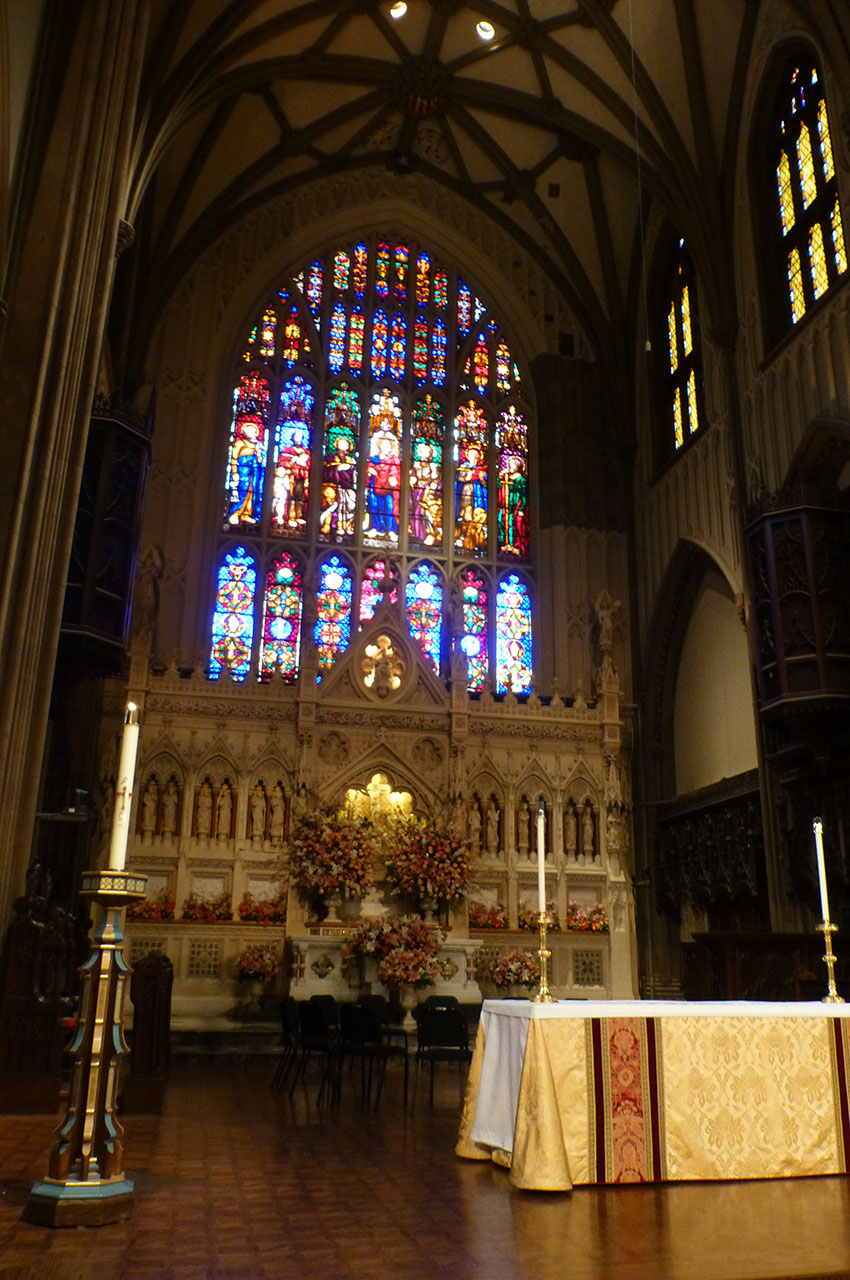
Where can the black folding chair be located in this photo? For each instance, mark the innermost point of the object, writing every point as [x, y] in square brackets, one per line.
[319, 1038]
[290, 1038]
[364, 1039]
[442, 1035]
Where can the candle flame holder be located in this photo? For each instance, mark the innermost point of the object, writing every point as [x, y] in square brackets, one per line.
[832, 996]
[544, 995]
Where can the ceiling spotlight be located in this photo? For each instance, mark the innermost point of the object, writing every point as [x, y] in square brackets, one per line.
[398, 10]
[486, 30]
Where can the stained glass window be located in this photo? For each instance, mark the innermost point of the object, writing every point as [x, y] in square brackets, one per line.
[382, 270]
[292, 458]
[682, 383]
[246, 463]
[398, 348]
[471, 438]
[423, 282]
[342, 266]
[341, 434]
[400, 285]
[376, 575]
[425, 482]
[339, 465]
[438, 353]
[513, 485]
[474, 641]
[336, 346]
[810, 230]
[513, 636]
[281, 633]
[383, 471]
[267, 333]
[332, 631]
[355, 341]
[361, 264]
[379, 344]
[233, 616]
[424, 600]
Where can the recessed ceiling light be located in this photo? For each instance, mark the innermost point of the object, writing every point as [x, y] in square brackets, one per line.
[398, 10]
[486, 30]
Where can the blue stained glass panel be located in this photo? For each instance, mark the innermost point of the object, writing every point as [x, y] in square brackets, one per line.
[424, 603]
[332, 631]
[513, 636]
[233, 616]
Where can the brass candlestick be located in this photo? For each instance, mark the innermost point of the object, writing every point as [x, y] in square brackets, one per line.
[544, 995]
[832, 996]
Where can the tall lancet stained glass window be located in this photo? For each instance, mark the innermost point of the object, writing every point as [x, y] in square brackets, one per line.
[808, 221]
[379, 432]
[683, 382]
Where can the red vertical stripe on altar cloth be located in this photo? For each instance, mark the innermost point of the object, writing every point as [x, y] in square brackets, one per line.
[599, 1101]
[839, 1041]
[653, 1101]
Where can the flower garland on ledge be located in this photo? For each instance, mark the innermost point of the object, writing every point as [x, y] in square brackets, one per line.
[483, 917]
[263, 910]
[406, 947]
[511, 969]
[159, 908]
[331, 854]
[579, 919]
[427, 862]
[528, 918]
[257, 963]
[207, 910]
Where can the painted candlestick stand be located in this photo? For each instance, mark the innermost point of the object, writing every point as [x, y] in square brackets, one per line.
[86, 1184]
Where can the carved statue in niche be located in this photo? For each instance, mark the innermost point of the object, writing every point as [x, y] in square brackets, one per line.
[474, 828]
[258, 814]
[522, 822]
[493, 828]
[382, 667]
[204, 824]
[150, 804]
[605, 607]
[570, 832]
[170, 801]
[587, 834]
[146, 594]
[223, 811]
[459, 816]
[278, 812]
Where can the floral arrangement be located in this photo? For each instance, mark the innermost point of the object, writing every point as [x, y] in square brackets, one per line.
[511, 969]
[262, 910]
[257, 963]
[530, 919]
[482, 916]
[410, 966]
[331, 854]
[406, 947]
[159, 908]
[207, 910]
[426, 861]
[587, 920]
[379, 937]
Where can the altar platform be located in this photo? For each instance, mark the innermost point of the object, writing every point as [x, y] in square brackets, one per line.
[643, 1091]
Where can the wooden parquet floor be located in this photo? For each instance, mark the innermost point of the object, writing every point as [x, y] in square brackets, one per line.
[234, 1182]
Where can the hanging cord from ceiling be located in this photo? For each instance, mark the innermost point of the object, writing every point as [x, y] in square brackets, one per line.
[647, 344]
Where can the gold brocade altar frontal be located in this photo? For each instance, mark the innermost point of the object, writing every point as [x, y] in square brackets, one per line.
[638, 1091]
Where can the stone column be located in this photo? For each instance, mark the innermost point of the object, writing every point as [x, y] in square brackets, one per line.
[57, 291]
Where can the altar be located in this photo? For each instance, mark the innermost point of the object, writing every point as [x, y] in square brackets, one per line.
[631, 1091]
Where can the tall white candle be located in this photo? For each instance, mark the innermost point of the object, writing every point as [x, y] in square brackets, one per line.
[817, 827]
[541, 856]
[124, 789]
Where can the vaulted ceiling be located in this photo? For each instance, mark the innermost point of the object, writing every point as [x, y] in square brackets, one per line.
[555, 126]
